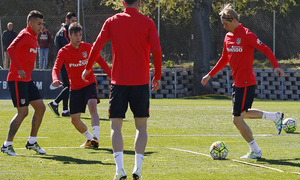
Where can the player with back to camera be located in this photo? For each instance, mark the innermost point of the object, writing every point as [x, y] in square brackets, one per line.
[132, 36]
[75, 56]
[62, 39]
[23, 51]
[238, 50]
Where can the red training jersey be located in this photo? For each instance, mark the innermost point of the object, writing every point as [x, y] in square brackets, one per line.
[132, 36]
[75, 61]
[22, 52]
[238, 50]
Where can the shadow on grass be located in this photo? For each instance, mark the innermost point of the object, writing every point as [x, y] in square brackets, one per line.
[209, 96]
[89, 118]
[71, 160]
[128, 152]
[285, 162]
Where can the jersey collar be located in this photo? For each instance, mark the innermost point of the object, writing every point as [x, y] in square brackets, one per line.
[31, 31]
[240, 27]
[131, 10]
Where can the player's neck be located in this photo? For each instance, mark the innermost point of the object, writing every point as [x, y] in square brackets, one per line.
[236, 26]
[75, 45]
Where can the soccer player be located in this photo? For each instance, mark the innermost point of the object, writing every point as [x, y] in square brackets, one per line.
[132, 36]
[238, 50]
[23, 51]
[62, 39]
[74, 56]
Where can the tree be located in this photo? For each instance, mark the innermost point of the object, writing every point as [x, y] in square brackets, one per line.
[201, 45]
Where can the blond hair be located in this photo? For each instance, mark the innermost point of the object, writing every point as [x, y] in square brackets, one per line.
[228, 13]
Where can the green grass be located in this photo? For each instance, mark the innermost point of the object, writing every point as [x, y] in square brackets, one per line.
[184, 124]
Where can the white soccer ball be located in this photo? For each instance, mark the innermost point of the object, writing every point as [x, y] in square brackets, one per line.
[218, 150]
[289, 125]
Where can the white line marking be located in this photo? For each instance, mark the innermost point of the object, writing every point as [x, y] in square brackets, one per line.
[256, 165]
[190, 152]
[25, 137]
[234, 160]
[208, 135]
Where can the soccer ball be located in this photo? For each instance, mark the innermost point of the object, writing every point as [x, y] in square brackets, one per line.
[218, 150]
[289, 125]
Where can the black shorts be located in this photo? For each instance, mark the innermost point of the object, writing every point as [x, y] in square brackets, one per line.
[136, 96]
[242, 99]
[23, 92]
[80, 97]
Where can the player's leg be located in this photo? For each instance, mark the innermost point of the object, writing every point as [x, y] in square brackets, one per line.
[13, 128]
[139, 105]
[118, 105]
[36, 101]
[140, 143]
[77, 106]
[65, 95]
[16, 122]
[242, 99]
[92, 104]
[92, 101]
[118, 146]
[276, 117]
[78, 124]
[62, 96]
[39, 110]
[19, 96]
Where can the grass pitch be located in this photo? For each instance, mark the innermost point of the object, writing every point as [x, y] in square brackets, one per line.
[180, 134]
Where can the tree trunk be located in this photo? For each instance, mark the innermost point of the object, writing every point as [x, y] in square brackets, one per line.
[201, 45]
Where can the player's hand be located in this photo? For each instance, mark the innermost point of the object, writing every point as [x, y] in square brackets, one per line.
[280, 71]
[155, 84]
[56, 83]
[205, 79]
[84, 74]
[22, 74]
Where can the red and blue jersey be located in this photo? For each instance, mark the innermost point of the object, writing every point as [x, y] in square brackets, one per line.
[132, 36]
[22, 52]
[75, 61]
[238, 50]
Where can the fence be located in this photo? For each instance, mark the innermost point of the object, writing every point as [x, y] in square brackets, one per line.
[175, 38]
[178, 83]
[269, 85]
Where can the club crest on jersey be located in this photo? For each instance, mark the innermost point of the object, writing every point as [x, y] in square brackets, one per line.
[22, 101]
[84, 54]
[238, 41]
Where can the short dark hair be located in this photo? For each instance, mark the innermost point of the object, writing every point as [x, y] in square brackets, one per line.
[34, 14]
[130, 1]
[74, 28]
[70, 15]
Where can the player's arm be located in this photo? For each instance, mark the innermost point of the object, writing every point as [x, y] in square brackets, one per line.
[19, 42]
[259, 45]
[156, 55]
[220, 65]
[102, 38]
[104, 65]
[56, 69]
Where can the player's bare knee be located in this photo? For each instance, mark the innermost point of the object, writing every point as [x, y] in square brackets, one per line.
[23, 112]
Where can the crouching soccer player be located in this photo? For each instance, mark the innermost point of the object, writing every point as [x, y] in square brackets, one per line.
[75, 56]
